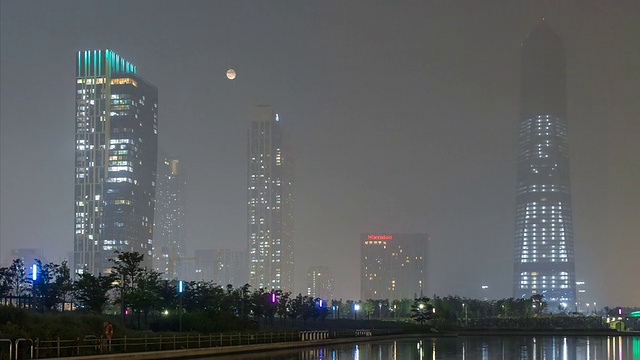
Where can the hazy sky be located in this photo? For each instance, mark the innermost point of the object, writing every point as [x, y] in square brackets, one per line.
[403, 117]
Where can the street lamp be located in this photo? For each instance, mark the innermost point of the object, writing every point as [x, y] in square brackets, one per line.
[34, 277]
[356, 307]
[180, 292]
[466, 313]
[380, 307]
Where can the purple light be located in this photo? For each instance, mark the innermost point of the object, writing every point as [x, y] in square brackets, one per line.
[274, 298]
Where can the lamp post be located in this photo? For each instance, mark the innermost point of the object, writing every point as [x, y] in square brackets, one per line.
[180, 292]
[380, 312]
[466, 313]
[356, 307]
[34, 278]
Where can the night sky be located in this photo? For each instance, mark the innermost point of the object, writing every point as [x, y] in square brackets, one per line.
[402, 114]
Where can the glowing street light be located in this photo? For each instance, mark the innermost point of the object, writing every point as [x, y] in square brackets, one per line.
[34, 272]
[180, 292]
[356, 307]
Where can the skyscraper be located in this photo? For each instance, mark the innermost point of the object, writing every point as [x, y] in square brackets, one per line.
[169, 228]
[393, 266]
[544, 262]
[115, 160]
[270, 203]
[320, 282]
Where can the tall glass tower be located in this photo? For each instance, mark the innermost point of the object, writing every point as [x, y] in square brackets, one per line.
[544, 262]
[115, 160]
[269, 204]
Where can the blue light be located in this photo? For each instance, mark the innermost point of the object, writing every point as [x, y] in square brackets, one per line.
[180, 286]
[34, 272]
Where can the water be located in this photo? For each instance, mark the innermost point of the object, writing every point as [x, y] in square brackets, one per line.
[468, 348]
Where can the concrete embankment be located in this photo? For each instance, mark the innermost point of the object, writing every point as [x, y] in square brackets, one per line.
[240, 349]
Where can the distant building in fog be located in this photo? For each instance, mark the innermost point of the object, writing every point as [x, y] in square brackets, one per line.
[393, 266]
[28, 256]
[544, 260]
[320, 282]
[581, 296]
[116, 136]
[269, 203]
[222, 266]
[169, 228]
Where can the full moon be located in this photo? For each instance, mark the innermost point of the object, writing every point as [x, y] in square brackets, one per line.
[231, 74]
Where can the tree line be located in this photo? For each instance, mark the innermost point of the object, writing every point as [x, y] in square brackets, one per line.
[145, 300]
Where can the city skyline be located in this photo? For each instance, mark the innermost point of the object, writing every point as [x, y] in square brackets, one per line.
[403, 118]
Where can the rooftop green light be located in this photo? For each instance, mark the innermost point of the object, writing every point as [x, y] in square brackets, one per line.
[103, 63]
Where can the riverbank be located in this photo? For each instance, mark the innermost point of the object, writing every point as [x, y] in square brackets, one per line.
[244, 349]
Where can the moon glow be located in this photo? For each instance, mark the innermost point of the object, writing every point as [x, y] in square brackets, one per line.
[231, 74]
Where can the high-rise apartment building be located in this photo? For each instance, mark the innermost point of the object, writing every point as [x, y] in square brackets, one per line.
[320, 282]
[115, 160]
[169, 228]
[221, 266]
[393, 266]
[544, 262]
[269, 203]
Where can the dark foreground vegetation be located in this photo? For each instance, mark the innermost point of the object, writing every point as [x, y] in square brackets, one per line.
[134, 300]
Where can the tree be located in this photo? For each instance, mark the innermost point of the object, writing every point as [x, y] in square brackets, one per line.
[294, 307]
[144, 296]
[369, 307]
[281, 309]
[91, 292]
[15, 278]
[63, 283]
[6, 281]
[307, 307]
[52, 284]
[126, 268]
[168, 296]
[43, 286]
[537, 303]
[422, 310]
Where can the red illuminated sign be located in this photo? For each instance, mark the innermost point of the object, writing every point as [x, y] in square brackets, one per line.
[379, 237]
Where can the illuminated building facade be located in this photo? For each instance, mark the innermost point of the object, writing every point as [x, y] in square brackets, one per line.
[169, 228]
[320, 282]
[393, 266]
[115, 160]
[269, 204]
[544, 259]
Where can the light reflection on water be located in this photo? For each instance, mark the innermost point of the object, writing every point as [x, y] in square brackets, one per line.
[468, 348]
